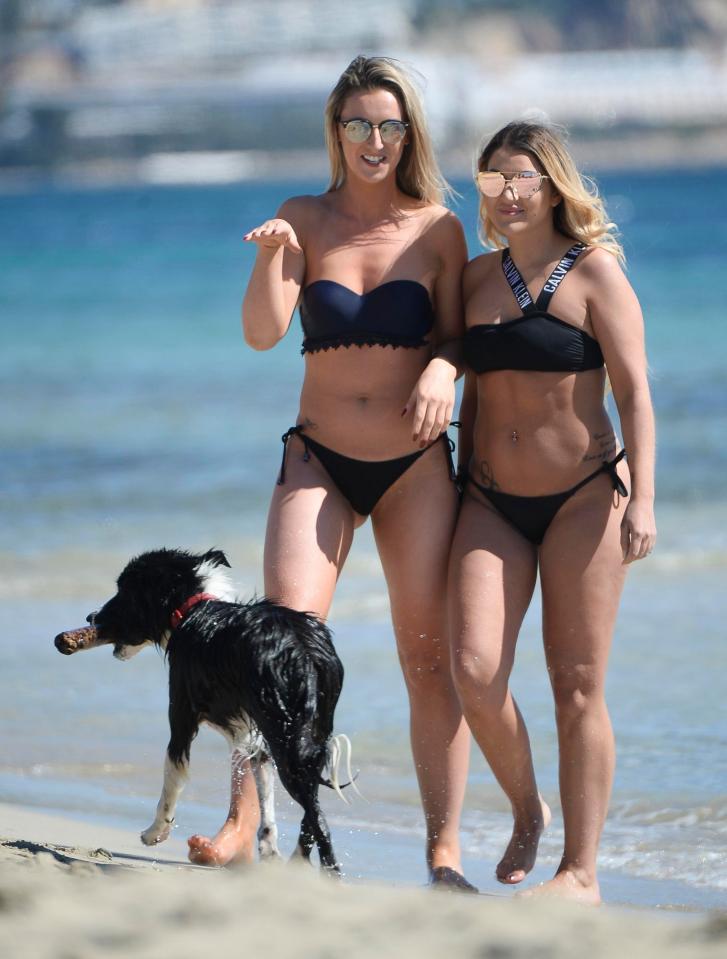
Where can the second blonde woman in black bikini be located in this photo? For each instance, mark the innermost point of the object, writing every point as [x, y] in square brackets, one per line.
[376, 264]
[548, 489]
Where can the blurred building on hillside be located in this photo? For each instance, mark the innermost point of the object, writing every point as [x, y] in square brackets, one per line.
[220, 89]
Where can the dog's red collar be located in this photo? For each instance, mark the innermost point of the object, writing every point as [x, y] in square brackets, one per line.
[179, 614]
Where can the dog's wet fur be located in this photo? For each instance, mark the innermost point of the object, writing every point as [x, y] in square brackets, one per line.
[266, 676]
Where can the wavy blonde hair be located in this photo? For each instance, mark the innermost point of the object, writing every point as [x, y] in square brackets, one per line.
[581, 213]
[418, 174]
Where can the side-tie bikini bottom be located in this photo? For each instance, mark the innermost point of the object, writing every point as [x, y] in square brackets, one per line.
[532, 515]
[362, 482]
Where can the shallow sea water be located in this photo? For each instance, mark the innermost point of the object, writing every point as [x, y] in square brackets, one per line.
[136, 417]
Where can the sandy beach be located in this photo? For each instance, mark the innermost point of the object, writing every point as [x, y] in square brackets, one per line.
[63, 895]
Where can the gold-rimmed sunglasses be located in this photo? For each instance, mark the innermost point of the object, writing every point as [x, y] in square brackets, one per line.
[525, 184]
[358, 130]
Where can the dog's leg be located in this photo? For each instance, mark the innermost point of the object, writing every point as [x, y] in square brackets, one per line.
[175, 776]
[322, 835]
[313, 828]
[300, 763]
[306, 841]
[314, 831]
[267, 834]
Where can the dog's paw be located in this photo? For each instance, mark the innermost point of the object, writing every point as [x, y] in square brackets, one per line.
[269, 853]
[267, 843]
[156, 834]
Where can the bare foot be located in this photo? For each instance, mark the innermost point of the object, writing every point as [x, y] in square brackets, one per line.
[231, 844]
[567, 884]
[522, 849]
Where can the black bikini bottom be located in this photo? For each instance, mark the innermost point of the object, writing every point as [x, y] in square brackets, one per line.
[362, 482]
[532, 515]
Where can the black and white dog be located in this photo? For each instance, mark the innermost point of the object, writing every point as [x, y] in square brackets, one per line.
[266, 676]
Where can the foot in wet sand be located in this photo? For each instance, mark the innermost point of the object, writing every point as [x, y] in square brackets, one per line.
[522, 849]
[450, 880]
[572, 884]
[231, 844]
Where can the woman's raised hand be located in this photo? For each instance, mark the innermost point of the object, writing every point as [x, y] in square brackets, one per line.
[273, 234]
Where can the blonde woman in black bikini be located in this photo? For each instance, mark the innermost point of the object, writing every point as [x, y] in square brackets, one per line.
[376, 265]
[549, 490]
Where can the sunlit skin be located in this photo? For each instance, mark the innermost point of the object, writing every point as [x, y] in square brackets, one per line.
[375, 106]
[235, 841]
[536, 433]
[369, 403]
[518, 216]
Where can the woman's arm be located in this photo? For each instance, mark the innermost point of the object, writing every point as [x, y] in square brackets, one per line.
[432, 400]
[274, 286]
[618, 323]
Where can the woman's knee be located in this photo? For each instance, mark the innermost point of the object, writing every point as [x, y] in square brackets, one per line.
[578, 691]
[425, 665]
[480, 684]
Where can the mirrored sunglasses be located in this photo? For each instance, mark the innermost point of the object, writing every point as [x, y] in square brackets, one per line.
[358, 130]
[525, 184]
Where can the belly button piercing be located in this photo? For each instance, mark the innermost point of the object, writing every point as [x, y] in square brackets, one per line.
[514, 436]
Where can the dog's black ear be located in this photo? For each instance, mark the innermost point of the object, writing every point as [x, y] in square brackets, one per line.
[216, 557]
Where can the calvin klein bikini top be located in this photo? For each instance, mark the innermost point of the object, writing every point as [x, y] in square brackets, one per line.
[395, 313]
[537, 340]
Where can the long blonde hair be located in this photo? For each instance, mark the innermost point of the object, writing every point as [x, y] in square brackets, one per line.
[580, 214]
[418, 174]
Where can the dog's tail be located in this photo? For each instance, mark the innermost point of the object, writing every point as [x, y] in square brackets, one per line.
[338, 747]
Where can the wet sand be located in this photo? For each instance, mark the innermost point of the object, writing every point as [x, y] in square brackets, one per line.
[62, 895]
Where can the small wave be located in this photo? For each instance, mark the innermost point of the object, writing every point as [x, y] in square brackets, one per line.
[89, 574]
[670, 561]
[640, 840]
[73, 770]
[682, 843]
[82, 572]
[641, 812]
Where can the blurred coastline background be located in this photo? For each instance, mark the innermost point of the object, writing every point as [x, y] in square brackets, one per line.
[138, 141]
[223, 90]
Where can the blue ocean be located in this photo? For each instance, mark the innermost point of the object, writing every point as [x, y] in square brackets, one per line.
[134, 416]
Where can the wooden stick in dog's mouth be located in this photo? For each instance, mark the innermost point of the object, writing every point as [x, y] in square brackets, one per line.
[75, 640]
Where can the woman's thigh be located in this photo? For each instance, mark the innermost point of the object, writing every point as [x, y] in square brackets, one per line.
[413, 526]
[582, 576]
[491, 580]
[309, 533]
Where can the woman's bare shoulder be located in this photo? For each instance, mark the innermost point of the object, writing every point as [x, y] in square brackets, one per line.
[600, 266]
[444, 230]
[443, 219]
[485, 261]
[304, 207]
[479, 269]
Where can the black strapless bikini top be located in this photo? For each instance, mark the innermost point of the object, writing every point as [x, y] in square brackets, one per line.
[396, 313]
[537, 340]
